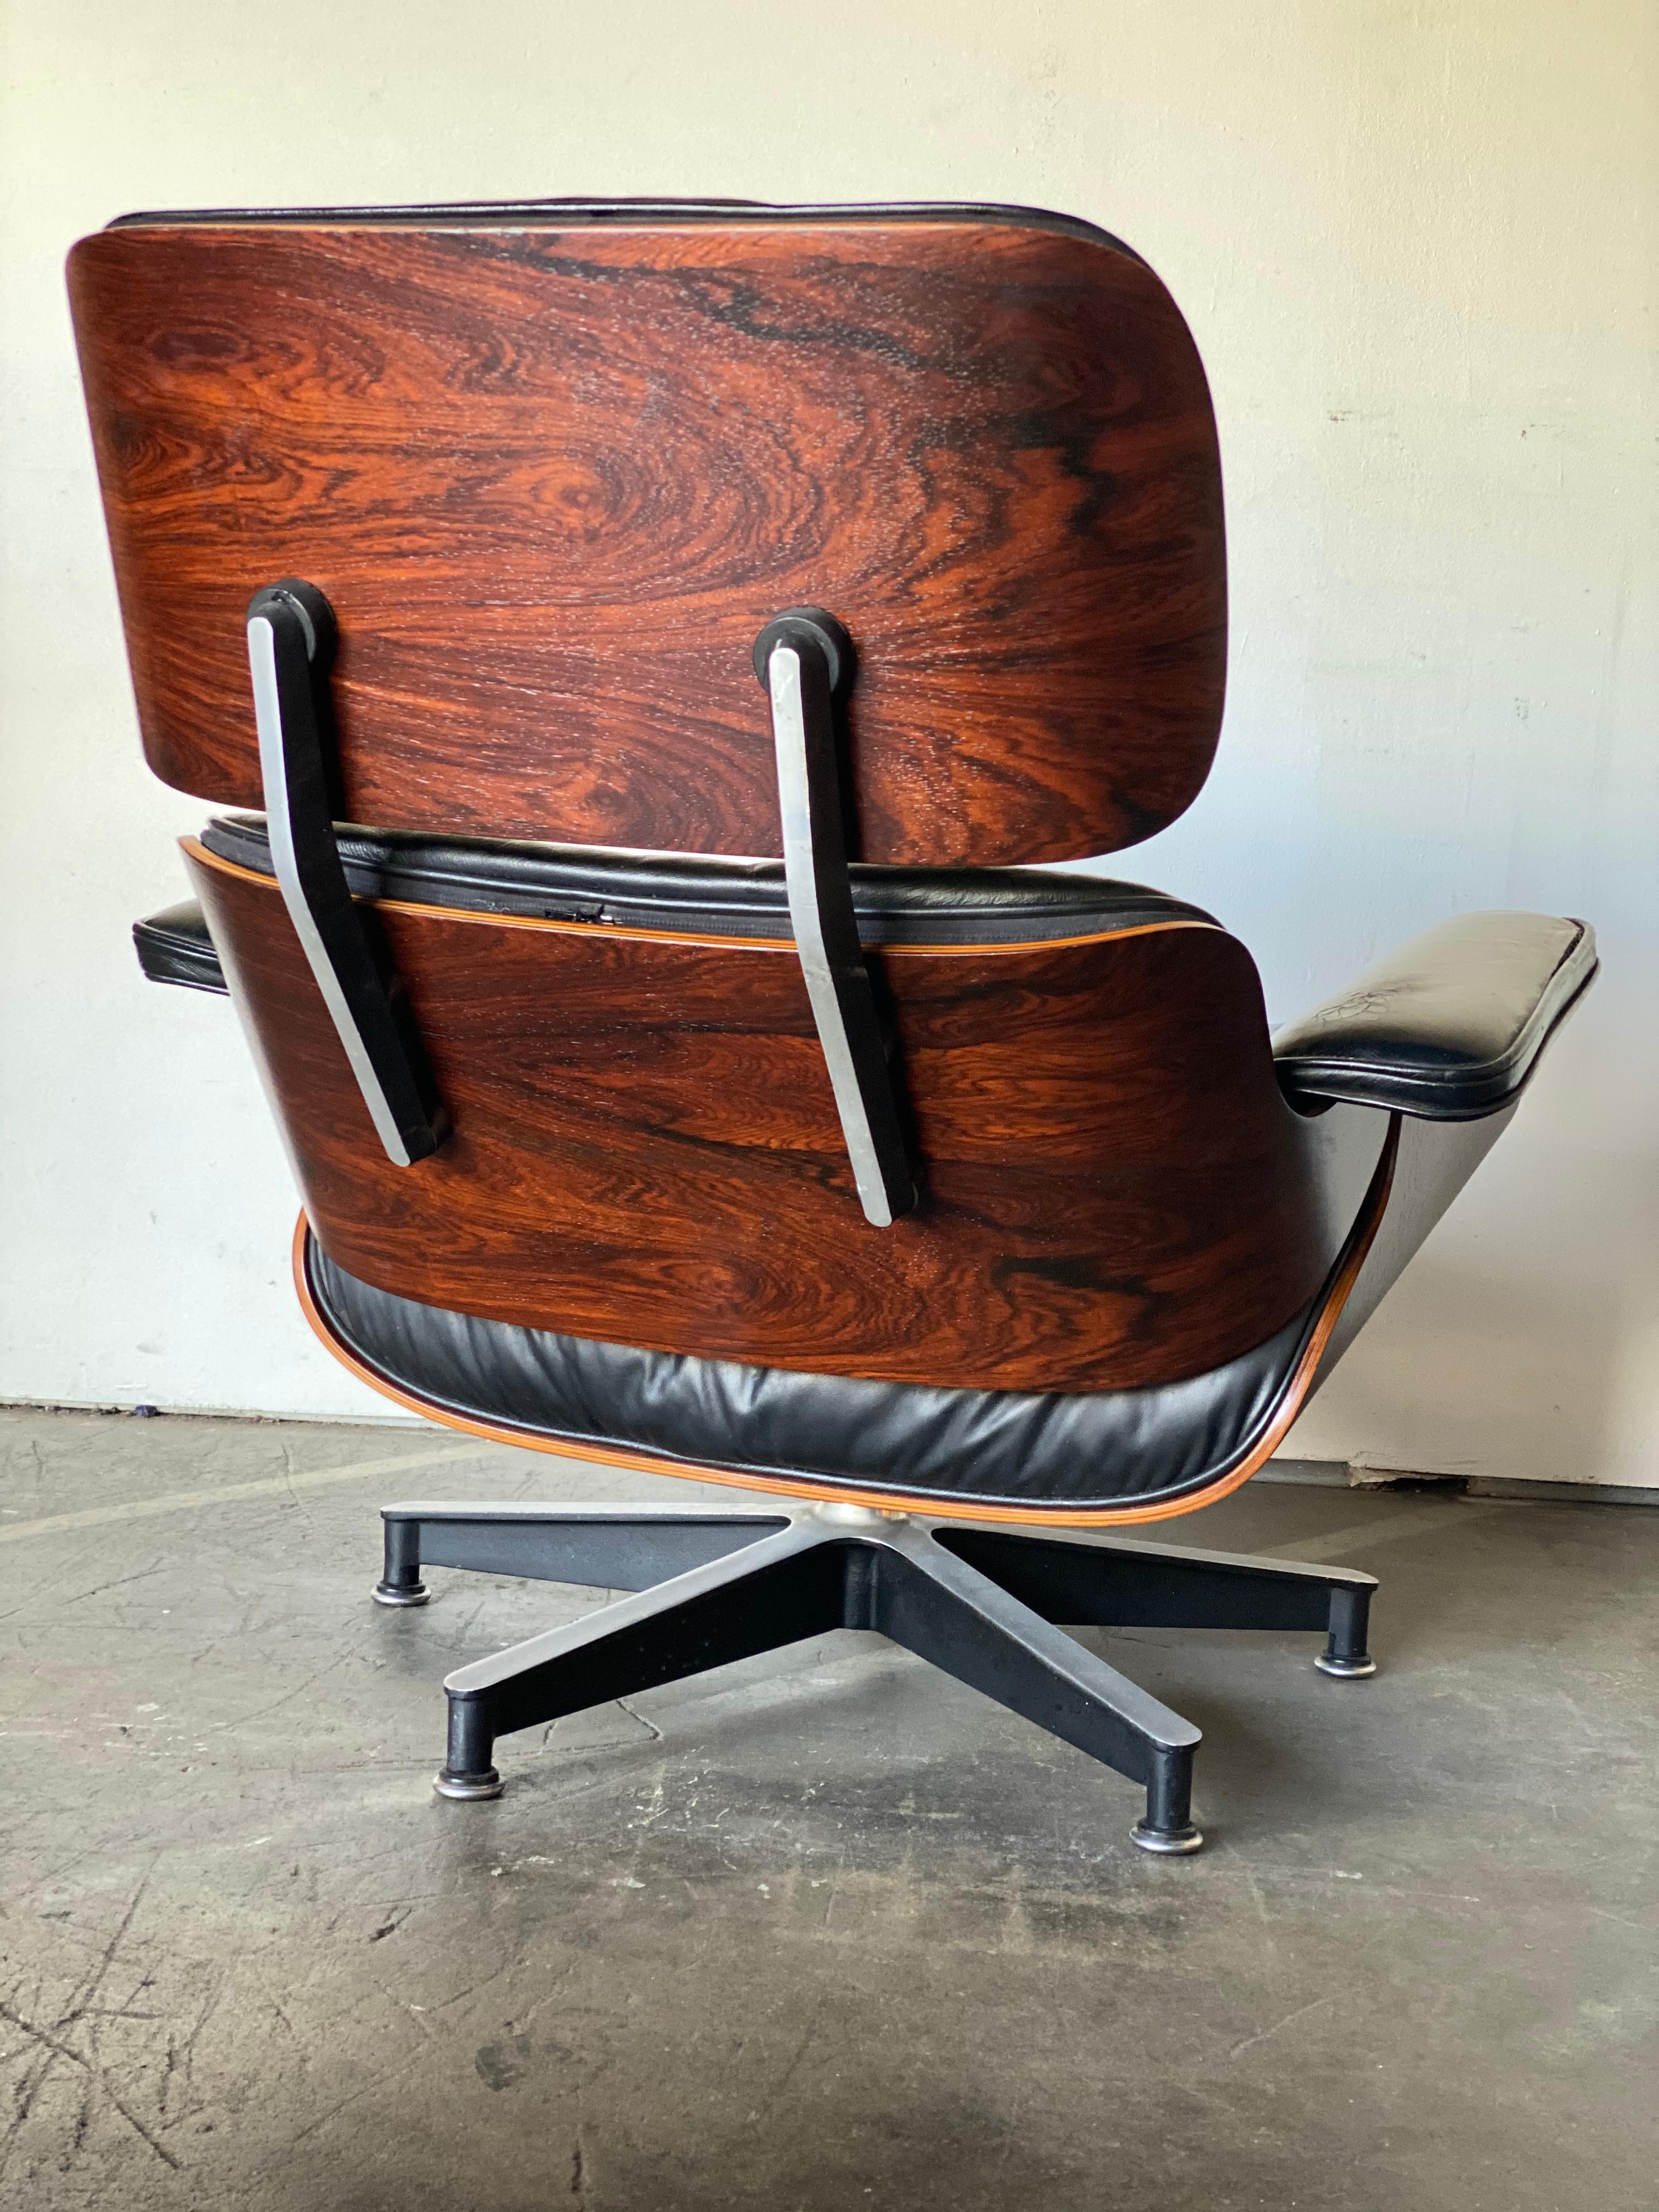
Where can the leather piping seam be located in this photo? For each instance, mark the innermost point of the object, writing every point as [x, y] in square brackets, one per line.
[1341, 1282]
[195, 850]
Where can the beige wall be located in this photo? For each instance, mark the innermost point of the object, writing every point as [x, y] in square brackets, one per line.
[1418, 247]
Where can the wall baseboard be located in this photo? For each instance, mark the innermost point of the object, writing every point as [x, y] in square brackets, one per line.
[1314, 1473]
[142, 1412]
[1340, 1474]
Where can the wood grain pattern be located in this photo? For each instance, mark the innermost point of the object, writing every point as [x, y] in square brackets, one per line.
[555, 480]
[645, 1148]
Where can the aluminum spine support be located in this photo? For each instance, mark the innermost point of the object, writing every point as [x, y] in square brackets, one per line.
[290, 648]
[803, 657]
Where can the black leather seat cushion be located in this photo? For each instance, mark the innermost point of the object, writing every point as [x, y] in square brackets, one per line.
[1449, 1026]
[1020, 1449]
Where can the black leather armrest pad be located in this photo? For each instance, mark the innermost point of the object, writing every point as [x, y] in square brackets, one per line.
[174, 947]
[1448, 1027]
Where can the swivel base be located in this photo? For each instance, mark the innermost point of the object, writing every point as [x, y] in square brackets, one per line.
[715, 1584]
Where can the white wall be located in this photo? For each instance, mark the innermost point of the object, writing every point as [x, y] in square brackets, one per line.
[1417, 244]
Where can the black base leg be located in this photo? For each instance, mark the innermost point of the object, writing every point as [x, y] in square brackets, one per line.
[602, 1547]
[932, 1602]
[759, 1597]
[1118, 1583]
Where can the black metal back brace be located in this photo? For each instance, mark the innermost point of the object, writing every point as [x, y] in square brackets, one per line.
[806, 663]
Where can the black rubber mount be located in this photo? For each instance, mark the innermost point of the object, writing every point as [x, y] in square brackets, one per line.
[813, 626]
[1167, 1842]
[316, 615]
[471, 1786]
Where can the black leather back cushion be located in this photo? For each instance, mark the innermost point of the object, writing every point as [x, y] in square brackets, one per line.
[714, 897]
[704, 897]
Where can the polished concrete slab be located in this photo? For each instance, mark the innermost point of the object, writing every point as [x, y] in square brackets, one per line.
[821, 1931]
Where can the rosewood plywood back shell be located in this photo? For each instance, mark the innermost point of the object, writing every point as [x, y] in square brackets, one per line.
[645, 1148]
[553, 477]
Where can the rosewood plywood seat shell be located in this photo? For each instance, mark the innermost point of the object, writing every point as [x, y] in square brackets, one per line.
[645, 1147]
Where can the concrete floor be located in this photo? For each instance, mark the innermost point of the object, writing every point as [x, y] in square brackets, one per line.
[823, 1931]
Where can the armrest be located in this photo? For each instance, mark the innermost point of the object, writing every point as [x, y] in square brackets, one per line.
[1451, 1026]
[174, 947]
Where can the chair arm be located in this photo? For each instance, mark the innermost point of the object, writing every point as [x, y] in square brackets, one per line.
[174, 947]
[1448, 1027]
